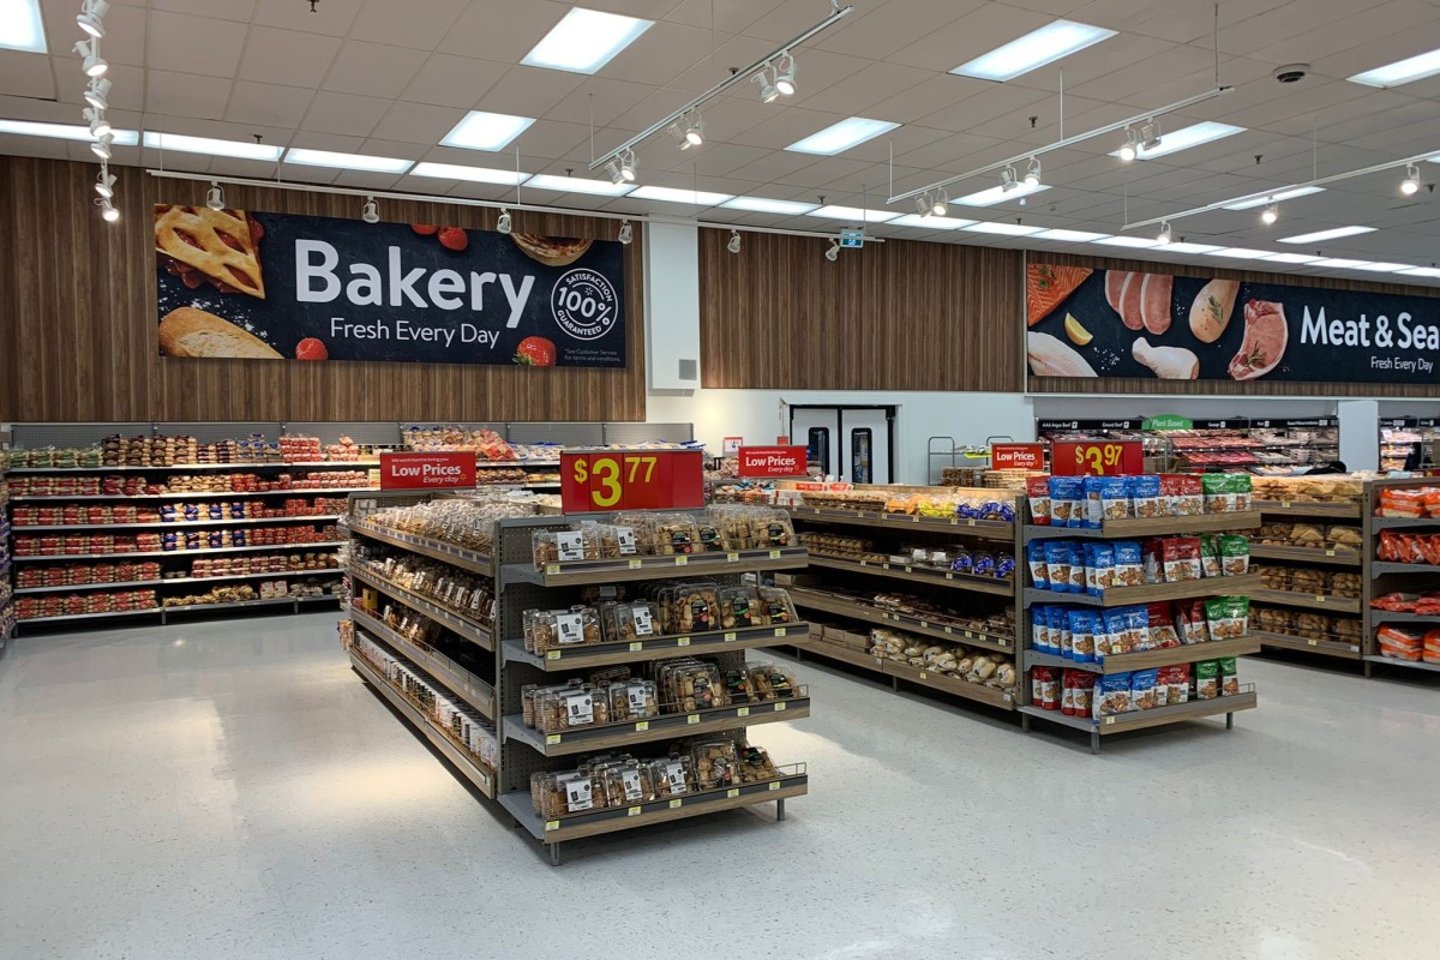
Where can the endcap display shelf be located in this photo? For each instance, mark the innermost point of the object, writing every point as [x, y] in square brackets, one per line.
[1383, 577]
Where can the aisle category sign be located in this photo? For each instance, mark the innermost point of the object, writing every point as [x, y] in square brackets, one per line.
[1097, 458]
[631, 480]
[427, 471]
[1017, 456]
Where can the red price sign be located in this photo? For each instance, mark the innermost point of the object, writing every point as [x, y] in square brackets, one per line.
[1097, 458]
[1017, 456]
[772, 461]
[631, 480]
[427, 471]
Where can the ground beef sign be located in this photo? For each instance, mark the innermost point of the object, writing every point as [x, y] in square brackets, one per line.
[1083, 322]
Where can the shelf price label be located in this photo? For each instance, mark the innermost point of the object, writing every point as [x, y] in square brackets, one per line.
[1097, 458]
[640, 480]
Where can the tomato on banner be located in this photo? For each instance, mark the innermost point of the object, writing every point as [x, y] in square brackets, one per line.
[631, 480]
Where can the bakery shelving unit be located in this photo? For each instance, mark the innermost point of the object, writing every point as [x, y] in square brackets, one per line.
[1329, 560]
[496, 692]
[846, 596]
[1383, 577]
[1139, 529]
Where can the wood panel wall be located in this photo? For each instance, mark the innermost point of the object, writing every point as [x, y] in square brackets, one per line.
[77, 321]
[899, 315]
[1262, 387]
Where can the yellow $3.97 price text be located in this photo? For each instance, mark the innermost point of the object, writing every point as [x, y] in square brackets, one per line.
[1099, 459]
[608, 476]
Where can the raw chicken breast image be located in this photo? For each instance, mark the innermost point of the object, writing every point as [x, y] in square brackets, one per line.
[1155, 302]
[1266, 337]
[1169, 363]
[1115, 281]
[1053, 357]
[1211, 309]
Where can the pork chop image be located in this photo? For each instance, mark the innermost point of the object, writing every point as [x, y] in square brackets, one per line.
[1266, 337]
[1155, 301]
[1115, 281]
[1131, 300]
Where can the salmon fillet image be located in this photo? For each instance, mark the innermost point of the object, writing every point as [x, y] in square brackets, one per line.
[1266, 337]
[1046, 285]
[1053, 357]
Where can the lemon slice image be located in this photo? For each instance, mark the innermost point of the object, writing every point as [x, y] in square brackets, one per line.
[1078, 335]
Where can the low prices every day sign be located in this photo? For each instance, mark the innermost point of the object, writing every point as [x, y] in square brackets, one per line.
[638, 480]
[1017, 456]
[772, 461]
[426, 471]
[1097, 458]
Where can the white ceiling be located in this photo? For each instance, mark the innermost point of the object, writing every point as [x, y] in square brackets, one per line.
[391, 77]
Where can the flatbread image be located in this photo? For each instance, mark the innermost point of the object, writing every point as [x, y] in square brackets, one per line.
[552, 251]
[222, 246]
[1046, 285]
[189, 332]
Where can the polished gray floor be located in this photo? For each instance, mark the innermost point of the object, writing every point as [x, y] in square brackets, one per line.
[232, 790]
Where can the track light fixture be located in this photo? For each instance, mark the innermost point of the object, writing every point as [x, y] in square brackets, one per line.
[1411, 184]
[97, 93]
[785, 75]
[627, 167]
[734, 245]
[105, 183]
[370, 211]
[769, 93]
[1164, 236]
[108, 213]
[99, 126]
[922, 204]
[1032, 173]
[505, 225]
[694, 130]
[613, 169]
[89, 17]
[91, 61]
[627, 232]
[215, 197]
[101, 146]
[940, 203]
[1007, 179]
[1151, 134]
[832, 253]
[1270, 214]
[1131, 149]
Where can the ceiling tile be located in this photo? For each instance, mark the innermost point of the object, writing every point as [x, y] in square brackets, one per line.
[202, 45]
[412, 23]
[418, 123]
[185, 95]
[126, 93]
[373, 69]
[267, 104]
[124, 33]
[529, 91]
[481, 32]
[345, 113]
[878, 30]
[288, 57]
[453, 81]
[238, 10]
[332, 17]
[664, 52]
[28, 75]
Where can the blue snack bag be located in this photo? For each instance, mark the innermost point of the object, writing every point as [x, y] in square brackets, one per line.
[1067, 505]
[1040, 627]
[1129, 564]
[1142, 689]
[1082, 635]
[1058, 555]
[1145, 502]
[1094, 509]
[1112, 694]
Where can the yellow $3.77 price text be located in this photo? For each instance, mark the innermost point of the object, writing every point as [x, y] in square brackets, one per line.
[607, 477]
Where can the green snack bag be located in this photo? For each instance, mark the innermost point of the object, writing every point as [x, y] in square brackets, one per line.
[1207, 680]
[1234, 554]
[1229, 677]
[1209, 556]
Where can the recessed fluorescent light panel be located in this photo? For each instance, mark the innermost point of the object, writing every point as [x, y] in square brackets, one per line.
[602, 188]
[1004, 229]
[1401, 71]
[696, 198]
[1136, 242]
[1292, 258]
[1275, 197]
[486, 131]
[839, 137]
[20, 26]
[1070, 236]
[1034, 50]
[64, 131]
[988, 198]
[347, 161]
[1373, 267]
[766, 205]
[1182, 247]
[585, 40]
[458, 171]
[1240, 253]
[215, 148]
[930, 223]
[1321, 235]
[1173, 141]
[853, 214]
[1421, 272]
[1338, 263]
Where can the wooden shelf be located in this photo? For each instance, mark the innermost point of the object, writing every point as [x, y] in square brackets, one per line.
[122, 584]
[589, 572]
[1152, 593]
[585, 656]
[1148, 527]
[198, 552]
[483, 780]
[440, 550]
[468, 629]
[1386, 523]
[992, 696]
[176, 524]
[667, 726]
[1378, 568]
[1328, 556]
[936, 578]
[196, 495]
[1410, 664]
[1147, 659]
[1386, 616]
[1320, 645]
[816, 600]
[1340, 510]
[460, 681]
[1310, 601]
[1155, 717]
[954, 526]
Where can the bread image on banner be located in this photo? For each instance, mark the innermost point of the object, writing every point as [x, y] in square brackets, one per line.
[189, 332]
[198, 244]
[552, 251]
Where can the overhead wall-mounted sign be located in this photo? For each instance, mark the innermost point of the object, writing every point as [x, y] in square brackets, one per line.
[1086, 323]
[268, 286]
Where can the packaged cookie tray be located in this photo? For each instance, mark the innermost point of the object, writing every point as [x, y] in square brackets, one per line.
[556, 798]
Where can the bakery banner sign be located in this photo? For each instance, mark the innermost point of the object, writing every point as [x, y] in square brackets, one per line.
[1118, 323]
[270, 286]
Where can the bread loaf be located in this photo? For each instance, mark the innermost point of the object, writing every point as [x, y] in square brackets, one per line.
[189, 332]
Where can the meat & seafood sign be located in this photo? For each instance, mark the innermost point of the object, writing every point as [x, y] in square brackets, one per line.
[1083, 322]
